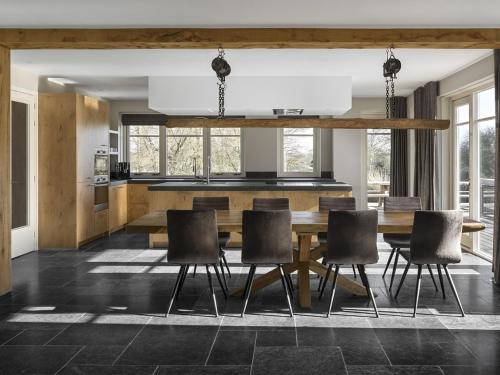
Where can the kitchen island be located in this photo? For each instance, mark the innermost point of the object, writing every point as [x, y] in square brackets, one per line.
[303, 195]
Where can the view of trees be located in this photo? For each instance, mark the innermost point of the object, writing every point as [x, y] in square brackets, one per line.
[144, 149]
[298, 150]
[379, 155]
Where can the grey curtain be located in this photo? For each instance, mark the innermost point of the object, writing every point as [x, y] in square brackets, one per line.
[496, 230]
[399, 152]
[425, 108]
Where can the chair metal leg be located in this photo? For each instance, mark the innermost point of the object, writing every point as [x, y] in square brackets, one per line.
[441, 279]
[337, 268]
[194, 271]
[354, 270]
[289, 283]
[453, 289]
[323, 262]
[225, 263]
[394, 269]
[417, 290]
[246, 283]
[402, 279]
[223, 274]
[432, 277]
[211, 285]
[326, 280]
[285, 288]
[249, 289]
[389, 261]
[364, 278]
[183, 279]
[174, 291]
[222, 286]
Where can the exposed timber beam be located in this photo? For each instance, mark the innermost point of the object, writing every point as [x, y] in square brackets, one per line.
[248, 38]
[333, 123]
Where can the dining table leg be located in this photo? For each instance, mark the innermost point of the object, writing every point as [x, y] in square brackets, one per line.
[304, 242]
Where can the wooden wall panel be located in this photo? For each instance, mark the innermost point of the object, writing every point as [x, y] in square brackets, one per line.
[5, 177]
[137, 197]
[57, 171]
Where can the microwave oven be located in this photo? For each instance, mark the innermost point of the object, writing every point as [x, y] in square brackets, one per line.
[101, 166]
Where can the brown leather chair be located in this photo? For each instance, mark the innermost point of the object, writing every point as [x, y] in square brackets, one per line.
[435, 239]
[215, 203]
[262, 204]
[352, 239]
[400, 241]
[193, 240]
[334, 203]
[267, 239]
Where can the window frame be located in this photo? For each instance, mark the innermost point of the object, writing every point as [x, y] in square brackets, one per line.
[206, 135]
[316, 155]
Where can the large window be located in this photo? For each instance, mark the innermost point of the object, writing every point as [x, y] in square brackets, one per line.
[155, 150]
[144, 149]
[474, 124]
[378, 142]
[299, 152]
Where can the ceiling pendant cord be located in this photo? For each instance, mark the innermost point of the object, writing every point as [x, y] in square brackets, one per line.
[222, 69]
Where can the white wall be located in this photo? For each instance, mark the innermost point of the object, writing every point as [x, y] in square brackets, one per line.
[24, 80]
[349, 148]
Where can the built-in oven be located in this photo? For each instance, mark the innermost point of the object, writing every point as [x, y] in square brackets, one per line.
[101, 179]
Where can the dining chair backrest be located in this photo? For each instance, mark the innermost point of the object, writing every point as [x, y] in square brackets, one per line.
[267, 237]
[337, 203]
[211, 203]
[260, 204]
[352, 237]
[402, 204]
[192, 237]
[436, 237]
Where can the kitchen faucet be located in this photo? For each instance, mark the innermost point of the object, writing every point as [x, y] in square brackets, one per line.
[209, 167]
[195, 168]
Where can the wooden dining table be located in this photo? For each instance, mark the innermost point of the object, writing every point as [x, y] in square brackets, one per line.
[305, 224]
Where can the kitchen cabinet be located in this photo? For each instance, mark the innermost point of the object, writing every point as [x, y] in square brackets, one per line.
[70, 128]
[117, 207]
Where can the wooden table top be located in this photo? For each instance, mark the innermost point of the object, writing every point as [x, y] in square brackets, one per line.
[302, 222]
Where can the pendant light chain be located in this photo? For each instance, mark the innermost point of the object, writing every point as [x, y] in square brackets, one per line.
[222, 69]
[392, 66]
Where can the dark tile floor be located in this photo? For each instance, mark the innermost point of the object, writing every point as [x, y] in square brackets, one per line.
[100, 311]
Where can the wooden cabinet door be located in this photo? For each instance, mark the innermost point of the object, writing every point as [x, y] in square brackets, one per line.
[102, 125]
[117, 207]
[100, 222]
[85, 211]
[84, 138]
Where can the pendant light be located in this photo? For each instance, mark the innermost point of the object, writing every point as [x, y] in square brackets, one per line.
[391, 66]
[222, 69]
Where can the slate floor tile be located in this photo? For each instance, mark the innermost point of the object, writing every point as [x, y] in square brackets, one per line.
[97, 334]
[298, 361]
[470, 370]
[203, 370]
[34, 337]
[38, 360]
[107, 370]
[233, 348]
[277, 338]
[98, 355]
[394, 370]
[170, 345]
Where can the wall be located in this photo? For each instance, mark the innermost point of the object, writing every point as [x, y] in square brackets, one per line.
[349, 148]
[21, 79]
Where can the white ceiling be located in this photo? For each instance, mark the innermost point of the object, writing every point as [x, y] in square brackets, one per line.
[300, 13]
[122, 74]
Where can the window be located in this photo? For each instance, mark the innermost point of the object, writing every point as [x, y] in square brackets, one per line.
[225, 150]
[299, 150]
[474, 172]
[144, 149]
[172, 151]
[378, 143]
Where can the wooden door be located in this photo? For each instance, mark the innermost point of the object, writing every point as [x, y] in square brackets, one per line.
[100, 223]
[85, 119]
[85, 211]
[117, 207]
[102, 125]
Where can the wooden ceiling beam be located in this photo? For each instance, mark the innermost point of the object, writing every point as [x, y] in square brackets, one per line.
[332, 123]
[248, 38]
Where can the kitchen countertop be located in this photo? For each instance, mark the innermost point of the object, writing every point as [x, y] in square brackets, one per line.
[271, 185]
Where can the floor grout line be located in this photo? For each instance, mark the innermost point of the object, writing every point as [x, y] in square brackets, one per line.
[130, 343]
[12, 338]
[253, 354]
[69, 360]
[215, 338]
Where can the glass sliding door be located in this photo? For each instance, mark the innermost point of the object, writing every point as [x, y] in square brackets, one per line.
[474, 181]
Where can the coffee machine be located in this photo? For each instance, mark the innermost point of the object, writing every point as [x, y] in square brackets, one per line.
[121, 171]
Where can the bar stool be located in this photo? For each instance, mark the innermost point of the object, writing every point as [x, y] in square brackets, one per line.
[351, 239]
[267, 239]
[338, 204]
[262, 204]
[435, 239]
[215, 203]
[400, 241]
[192, 239]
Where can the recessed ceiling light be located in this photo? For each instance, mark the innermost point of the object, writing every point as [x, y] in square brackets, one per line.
[287, 112]
[61, 81]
